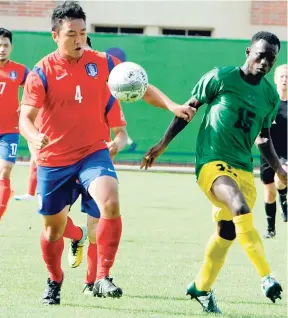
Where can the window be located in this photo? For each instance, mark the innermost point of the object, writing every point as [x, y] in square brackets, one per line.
[118, 30]
[173, 32]
[185, 32]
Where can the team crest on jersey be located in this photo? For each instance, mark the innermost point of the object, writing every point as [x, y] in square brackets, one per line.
[13, 75]
[250, 99]
[91, 69]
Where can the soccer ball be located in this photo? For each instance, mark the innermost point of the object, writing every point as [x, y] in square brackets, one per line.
[128, 82]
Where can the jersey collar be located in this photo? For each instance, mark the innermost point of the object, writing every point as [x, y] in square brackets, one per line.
[64, 61]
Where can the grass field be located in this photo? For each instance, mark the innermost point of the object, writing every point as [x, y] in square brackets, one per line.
[167, 222]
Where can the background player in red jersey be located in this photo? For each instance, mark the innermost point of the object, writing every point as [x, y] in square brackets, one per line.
[12, 75]
[69, 86]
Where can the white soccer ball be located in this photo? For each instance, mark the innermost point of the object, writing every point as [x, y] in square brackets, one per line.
[128, 82]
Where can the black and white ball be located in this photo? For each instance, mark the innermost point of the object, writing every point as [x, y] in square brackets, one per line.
[128, 82]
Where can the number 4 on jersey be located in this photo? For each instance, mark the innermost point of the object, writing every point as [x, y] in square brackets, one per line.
[78, 95]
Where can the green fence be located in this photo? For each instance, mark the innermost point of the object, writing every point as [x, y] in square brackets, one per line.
[174, 64]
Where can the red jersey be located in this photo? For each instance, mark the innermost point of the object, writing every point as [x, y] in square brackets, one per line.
[114, 115]
[12, 75]
[74, 105]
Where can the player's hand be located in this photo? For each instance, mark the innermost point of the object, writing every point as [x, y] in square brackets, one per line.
[282, 175]
[112, 147]
[41, 141]
[151, 155]
[185, 112]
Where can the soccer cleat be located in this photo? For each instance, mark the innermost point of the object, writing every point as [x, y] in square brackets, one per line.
[132, 147]
[106, 288]
[271, 288]
[75, 253]
[269, 233]
[88, 289]
[284, 216]
[24, 197]
[205, 299]
[52, 293]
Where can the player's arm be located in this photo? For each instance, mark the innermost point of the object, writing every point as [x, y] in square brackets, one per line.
[176, 126]
[25, 74]
[203, 92]
[155, 97]
[266, 148]
[120, 140]
[117, 123]
[32, 100]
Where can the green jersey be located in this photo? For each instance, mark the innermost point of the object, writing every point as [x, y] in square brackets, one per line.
[235, 114]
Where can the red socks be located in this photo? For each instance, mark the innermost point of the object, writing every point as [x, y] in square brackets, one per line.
[72, 231]
[91, 264]
[52, 254]
[5, 192]
[32, 181]
[108, 238]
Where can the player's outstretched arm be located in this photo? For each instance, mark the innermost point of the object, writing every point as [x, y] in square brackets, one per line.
[266, 148]
[120, 140]
[28, 115]
[176, 126]
[155, 97]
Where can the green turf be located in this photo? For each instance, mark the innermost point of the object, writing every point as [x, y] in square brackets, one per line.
[166, 223]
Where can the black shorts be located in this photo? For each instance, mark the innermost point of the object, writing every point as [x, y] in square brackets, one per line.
[266, 172]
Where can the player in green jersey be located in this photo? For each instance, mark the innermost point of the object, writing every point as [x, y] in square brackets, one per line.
[241, 105]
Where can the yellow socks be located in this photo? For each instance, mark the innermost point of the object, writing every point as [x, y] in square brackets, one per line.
[215, 254]
[251, 242]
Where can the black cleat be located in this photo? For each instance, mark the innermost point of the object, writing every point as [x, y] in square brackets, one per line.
[88, 289]
[105, 288]
[271, 288]
[270, 233]
[206, 299]
[284, 216]
[52, 293]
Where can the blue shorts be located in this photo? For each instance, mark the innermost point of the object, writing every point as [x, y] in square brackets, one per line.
[9, 147]
[55, 185]
[88, 205]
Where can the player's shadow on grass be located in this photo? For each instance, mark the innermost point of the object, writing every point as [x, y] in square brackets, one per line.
[158, 297]
[141, 311]
[278, 304]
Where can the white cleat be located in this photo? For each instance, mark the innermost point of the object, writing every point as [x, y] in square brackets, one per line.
[24, 197]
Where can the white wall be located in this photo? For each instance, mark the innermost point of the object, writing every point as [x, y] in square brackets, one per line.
[229, 19]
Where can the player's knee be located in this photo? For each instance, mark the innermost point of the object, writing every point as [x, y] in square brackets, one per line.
[53, 233]
[270, 195]
[5, 172]
[226, 230]
[279, 185]
[110, 207]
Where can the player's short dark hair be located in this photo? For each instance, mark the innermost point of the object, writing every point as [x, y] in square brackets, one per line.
[268, 37]
[6, 34]
[68, 10]
[88, 42]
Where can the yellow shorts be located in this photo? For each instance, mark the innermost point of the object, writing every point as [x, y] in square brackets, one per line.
[244, 179]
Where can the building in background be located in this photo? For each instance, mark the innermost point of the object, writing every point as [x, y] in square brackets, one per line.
[218, 19]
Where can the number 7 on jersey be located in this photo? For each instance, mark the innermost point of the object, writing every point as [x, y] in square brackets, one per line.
[78, 95]
[2, 87]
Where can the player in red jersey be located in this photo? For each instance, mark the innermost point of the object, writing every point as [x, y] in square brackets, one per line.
[115, 122]
[69, 86]
[32, 178]
[12, 75]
